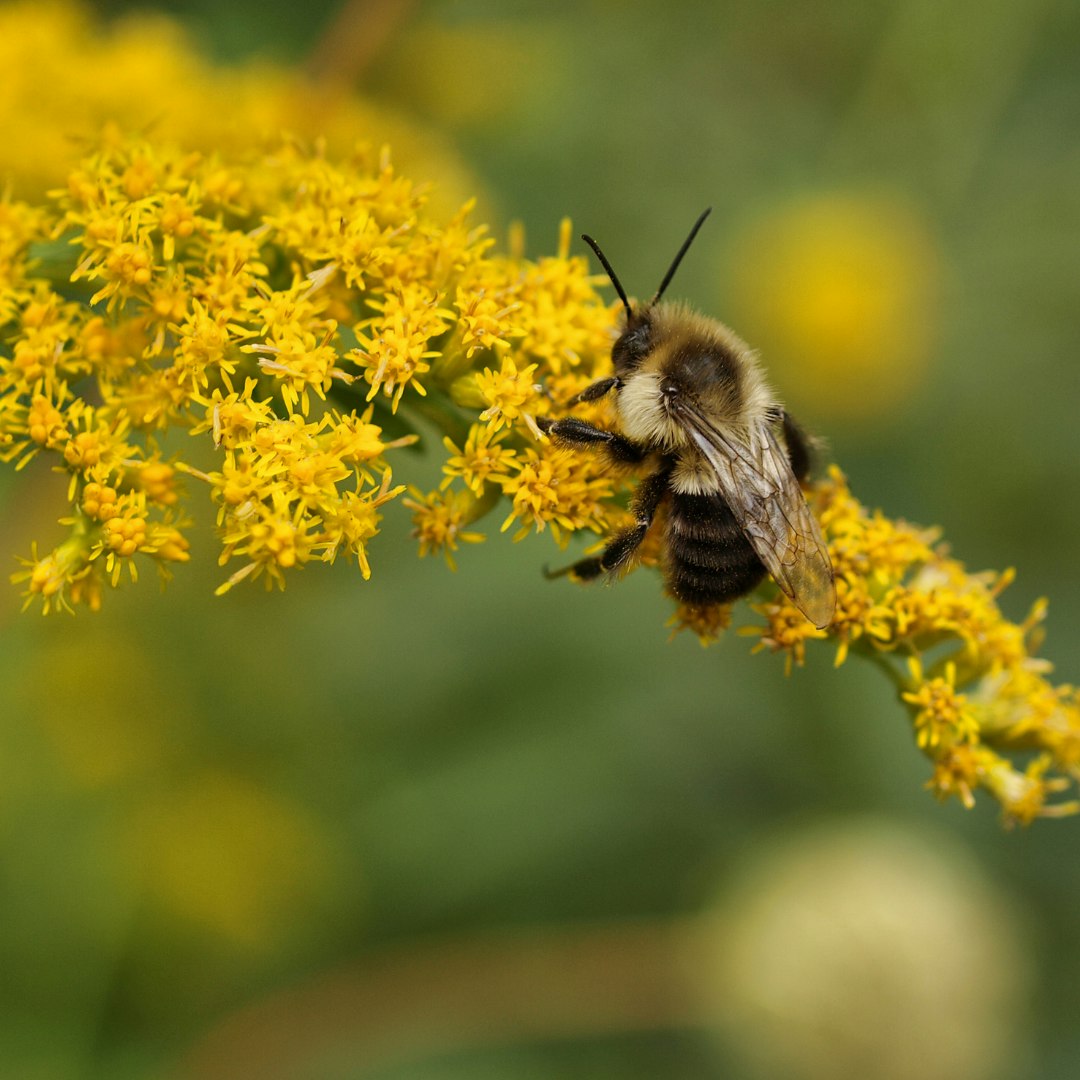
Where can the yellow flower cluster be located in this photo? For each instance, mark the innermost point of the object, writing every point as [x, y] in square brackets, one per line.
[282, 308]
[977, 695]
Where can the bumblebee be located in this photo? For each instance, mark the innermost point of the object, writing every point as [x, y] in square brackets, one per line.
[691, 397]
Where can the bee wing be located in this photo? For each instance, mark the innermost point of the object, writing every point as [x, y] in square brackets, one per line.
[758, 485]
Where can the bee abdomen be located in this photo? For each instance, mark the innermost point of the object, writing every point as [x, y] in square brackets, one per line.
[710, 560]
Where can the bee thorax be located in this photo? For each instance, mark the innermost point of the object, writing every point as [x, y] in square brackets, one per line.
[646, 411]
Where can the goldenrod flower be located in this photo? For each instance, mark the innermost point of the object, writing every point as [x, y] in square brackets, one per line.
[282, 307]
[396, 352]
[509, 393]
[706, 622]
[978, 696]
[786, 630]
[440, 519]
[483, 459]
[555, 487]
[942, 717]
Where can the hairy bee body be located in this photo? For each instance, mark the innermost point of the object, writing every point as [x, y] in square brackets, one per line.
[709, 560]
[689, 393]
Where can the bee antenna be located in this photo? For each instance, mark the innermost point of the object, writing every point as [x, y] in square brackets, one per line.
[678, 258]
[610, 273]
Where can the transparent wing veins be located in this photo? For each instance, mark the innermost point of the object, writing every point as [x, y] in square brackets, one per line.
[758, 485]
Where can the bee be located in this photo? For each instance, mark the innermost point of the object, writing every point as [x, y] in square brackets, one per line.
[729, 459]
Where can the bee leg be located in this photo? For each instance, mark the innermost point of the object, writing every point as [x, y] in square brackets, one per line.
[570, 431]
[650, 493]
[800, 448]
[596, 391]
[585, 570]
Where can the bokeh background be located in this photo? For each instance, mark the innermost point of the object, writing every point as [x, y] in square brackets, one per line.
[476, 825]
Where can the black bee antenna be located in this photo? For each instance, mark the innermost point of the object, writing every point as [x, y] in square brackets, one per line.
[610, 273]
[678, 258]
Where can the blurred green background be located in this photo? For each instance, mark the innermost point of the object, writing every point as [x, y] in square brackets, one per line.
[444, 825]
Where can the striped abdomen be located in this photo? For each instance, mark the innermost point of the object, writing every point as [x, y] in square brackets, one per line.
[710, 560]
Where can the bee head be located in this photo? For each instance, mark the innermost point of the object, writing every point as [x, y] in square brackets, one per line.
[634, 343]
[638, 338]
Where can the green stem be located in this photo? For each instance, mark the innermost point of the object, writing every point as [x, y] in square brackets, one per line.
[437, 408]
[884, 663]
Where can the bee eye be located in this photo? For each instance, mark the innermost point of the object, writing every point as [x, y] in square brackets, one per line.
[633, 344]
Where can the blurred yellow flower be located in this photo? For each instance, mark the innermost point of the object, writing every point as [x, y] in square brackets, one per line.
[65, 73]
[839, 292]
[231, 857]
[97, 719]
